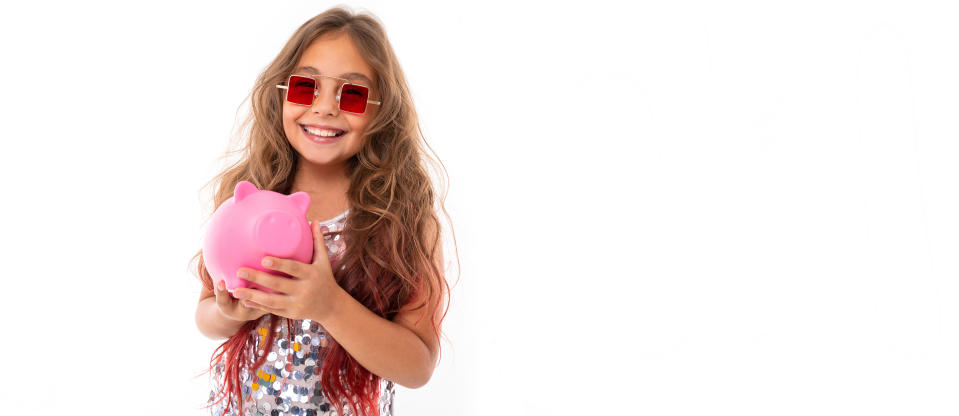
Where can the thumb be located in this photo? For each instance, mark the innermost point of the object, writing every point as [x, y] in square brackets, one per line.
[319, 244]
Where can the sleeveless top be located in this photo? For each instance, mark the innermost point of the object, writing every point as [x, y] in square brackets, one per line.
[287, 383]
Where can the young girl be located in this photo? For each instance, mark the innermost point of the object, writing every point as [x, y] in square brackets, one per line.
[332, 116]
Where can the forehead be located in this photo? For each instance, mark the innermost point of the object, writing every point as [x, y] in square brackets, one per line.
[335, 55]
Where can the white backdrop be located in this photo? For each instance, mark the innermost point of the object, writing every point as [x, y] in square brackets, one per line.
[668, 208]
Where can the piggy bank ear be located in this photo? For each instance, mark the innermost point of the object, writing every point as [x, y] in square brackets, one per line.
[243, 189]
[301, 200]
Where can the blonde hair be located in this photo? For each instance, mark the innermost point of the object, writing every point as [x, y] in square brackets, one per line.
[392, 233]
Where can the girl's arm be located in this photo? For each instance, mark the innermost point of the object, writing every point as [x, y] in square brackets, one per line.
[403, 350]
[210, 321]
[385, 348]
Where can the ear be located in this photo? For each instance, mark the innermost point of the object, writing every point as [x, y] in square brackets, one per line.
[243, 189]
[301, 200]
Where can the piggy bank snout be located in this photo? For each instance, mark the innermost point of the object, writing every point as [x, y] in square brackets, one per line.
[278, 232]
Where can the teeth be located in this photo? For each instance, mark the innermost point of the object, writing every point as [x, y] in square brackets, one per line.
[320, 132]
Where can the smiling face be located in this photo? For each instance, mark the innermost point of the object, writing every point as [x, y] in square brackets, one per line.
[331, 55]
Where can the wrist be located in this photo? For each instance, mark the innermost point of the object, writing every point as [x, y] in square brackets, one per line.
[337, 303]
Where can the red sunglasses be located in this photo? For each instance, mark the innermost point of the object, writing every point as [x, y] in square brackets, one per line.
[302, 90]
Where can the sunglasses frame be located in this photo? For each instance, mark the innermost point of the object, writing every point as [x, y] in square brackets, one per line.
[316, 91]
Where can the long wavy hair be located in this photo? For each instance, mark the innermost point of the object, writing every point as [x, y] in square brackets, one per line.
[392, 232]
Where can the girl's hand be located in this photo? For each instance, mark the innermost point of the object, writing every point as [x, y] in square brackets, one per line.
[310, 293]
[231, 308]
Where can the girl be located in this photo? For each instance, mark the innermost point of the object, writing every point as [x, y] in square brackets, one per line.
[332, 116]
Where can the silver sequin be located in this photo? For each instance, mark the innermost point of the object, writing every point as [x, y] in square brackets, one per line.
[286, 383]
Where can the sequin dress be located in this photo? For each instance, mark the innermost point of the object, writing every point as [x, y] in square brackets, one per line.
[286, 383]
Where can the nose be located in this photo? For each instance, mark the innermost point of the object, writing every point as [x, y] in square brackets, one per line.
[326, 103]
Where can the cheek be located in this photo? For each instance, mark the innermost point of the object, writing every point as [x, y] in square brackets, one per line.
[289, 128]
[358, 124]
[290, 115]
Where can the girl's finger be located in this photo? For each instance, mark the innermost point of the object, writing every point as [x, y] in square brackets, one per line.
[319, 245]
[220, 295]
[253, 305]
[255, 297]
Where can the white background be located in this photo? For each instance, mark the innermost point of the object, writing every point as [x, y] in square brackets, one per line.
[669, 208]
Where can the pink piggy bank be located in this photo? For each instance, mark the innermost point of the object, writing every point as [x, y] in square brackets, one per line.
[253, 224]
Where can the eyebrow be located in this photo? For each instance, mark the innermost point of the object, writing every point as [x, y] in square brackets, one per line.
[348, 75]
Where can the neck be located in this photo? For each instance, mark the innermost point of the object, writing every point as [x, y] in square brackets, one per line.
[327, 187]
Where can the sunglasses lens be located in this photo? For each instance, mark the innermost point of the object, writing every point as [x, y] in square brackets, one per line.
[301, 90]
[353, 98]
